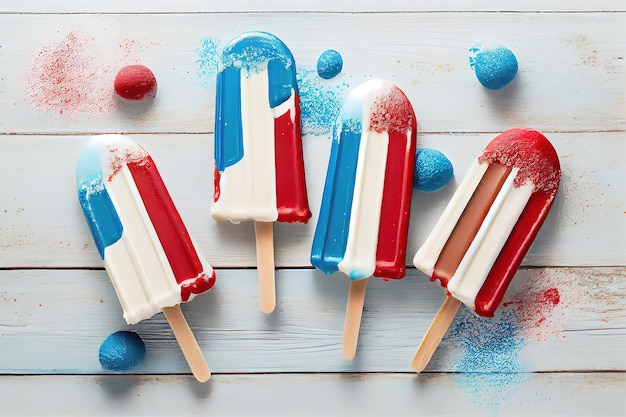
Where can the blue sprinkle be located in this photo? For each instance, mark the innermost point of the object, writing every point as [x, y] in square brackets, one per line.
[488, 366]
[320, 102]
[121, 351]
[208, 61]
[433, 170]
[494, 66]
[329, 64]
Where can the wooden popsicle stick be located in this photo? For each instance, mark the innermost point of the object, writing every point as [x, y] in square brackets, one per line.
[435, 333]
[354, 312]
[187, 342]
[264, 233]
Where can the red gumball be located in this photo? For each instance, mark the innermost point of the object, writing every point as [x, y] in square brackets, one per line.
[135, 82]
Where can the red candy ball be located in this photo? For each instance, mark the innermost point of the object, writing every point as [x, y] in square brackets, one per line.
[135, 82]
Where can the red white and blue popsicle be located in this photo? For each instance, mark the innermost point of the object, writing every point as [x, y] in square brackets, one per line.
[488, 226]
[259, 168]
[144, 244]
[364, 218]
[258, 146]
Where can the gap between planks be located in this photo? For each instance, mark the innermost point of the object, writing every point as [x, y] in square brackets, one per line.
[423, 132]
[305, 12]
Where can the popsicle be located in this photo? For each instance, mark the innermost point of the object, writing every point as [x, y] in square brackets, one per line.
[487, 228]
[145, 247]
[259, 168]
[363, 221]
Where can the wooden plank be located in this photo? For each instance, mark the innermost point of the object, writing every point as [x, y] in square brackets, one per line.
[41, 223]
[312, 395]
[59, 77]
[367, 6]
[555, 347]
[553, 319]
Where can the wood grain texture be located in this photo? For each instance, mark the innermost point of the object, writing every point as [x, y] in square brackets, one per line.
[554, 348]
[365, 6]
[187, 342]
[352, 321]
[582, 332]
[435, 333]
[571, 78]
[46, 228]
[264, 242]
[572, 394]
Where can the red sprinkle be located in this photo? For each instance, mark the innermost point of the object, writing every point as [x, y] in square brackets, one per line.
[392, 112]
[135, 82]
[201, 284]
[534, 310]
[529, 151]
[551, 296]
[70, 77]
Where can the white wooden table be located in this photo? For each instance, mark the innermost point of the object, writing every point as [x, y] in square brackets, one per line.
[558, 345]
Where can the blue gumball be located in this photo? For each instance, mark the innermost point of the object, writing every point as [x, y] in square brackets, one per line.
[329, 64]
[433, 170]
[494, 66]
[121, 351]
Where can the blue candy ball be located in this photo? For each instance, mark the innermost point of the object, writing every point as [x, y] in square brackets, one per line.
[329, 64]
[122, 351]
[494, 66]
[433, 170]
